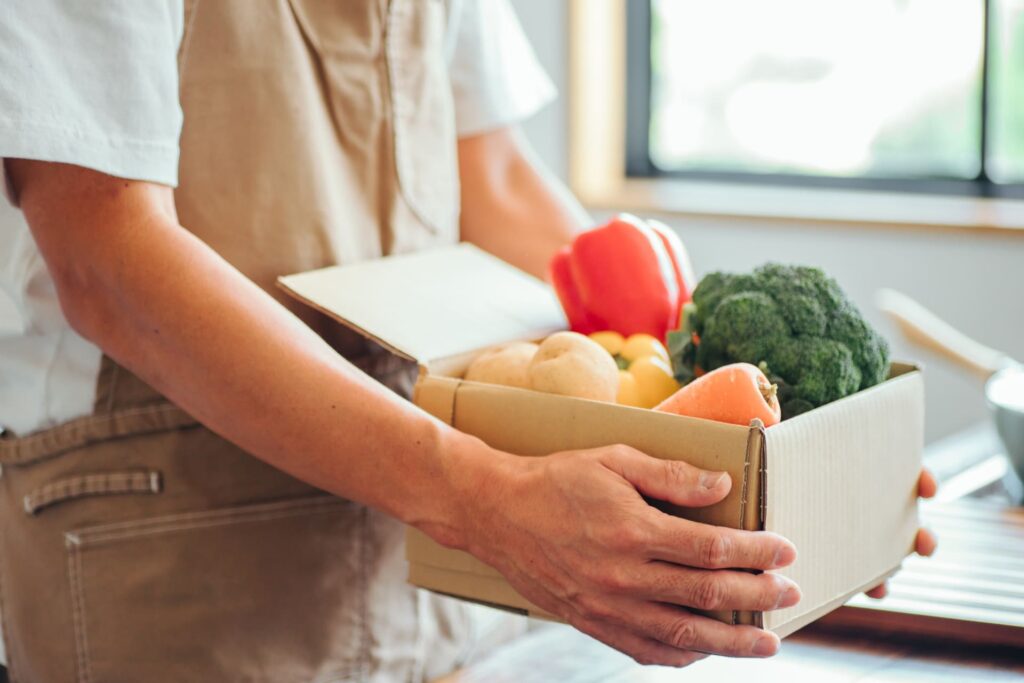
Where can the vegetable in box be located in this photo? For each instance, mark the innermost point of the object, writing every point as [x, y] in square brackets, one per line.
[792, 321]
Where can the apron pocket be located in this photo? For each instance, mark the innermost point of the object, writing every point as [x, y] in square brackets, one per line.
[99, 484]
[272, 591]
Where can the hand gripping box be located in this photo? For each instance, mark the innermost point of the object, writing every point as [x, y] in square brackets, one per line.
[839, 481]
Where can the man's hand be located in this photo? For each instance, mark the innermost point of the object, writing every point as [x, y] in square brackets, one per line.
[925, 542]
[572, 533]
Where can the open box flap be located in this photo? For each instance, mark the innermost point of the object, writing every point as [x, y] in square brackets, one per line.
[433, 304]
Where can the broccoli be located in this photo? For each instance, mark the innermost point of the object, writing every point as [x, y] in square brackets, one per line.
[794, 322]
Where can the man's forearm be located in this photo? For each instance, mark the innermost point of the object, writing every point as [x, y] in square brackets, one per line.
[512, 206]
[169, 308]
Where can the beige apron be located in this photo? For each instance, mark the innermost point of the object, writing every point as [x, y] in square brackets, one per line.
[135, 544]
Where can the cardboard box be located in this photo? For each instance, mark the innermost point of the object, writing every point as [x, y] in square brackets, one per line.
[839, 481]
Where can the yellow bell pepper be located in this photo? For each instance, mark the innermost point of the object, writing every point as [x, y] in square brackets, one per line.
[610, 340]
[654, 380]
[629, 390]
[640, 345]
[645, 374]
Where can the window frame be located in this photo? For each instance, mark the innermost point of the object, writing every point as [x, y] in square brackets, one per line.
[638, 162]
[595, 93]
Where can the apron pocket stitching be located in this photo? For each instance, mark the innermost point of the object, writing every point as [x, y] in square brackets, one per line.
[78, 613]
[94, 536]
[90, 429]
[104, 484]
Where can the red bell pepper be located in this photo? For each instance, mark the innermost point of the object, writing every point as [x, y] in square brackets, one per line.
[575, 310]
[686, 279]
[627, 275]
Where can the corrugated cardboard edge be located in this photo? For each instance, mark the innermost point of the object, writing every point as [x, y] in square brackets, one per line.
[437, 397]
[752, 504]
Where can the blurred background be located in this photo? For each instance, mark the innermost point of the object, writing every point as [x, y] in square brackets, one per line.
[890, 96]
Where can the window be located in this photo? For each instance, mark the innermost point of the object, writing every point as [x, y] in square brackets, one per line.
[921, 95]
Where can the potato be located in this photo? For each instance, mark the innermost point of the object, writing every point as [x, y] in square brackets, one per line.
[571, 364]
[505, 364]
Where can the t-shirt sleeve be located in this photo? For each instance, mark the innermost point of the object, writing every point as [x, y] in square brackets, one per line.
[495, 76]
[92, 83]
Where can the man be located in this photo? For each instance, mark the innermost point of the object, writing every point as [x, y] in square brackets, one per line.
[173, 421]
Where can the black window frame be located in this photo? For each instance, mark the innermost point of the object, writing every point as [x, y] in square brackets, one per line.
[638, 118]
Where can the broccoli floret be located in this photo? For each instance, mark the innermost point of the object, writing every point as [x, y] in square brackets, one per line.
[791, 405]
[827, 371]
[794, 407]
[870, 351]
[744, 326]
[795, 290]
[719, 286]
[795, 322]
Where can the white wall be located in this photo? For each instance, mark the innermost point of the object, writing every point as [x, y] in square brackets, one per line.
[546, 23]
[975, 281]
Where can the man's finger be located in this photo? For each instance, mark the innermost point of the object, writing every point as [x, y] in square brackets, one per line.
[646, 651]
[878, 592]
[925, 543]
[686, 630]
[926, 485]
[672, 481]
[681, 541]
[715, 590]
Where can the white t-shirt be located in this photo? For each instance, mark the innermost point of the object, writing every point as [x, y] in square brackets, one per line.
[95, 84]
